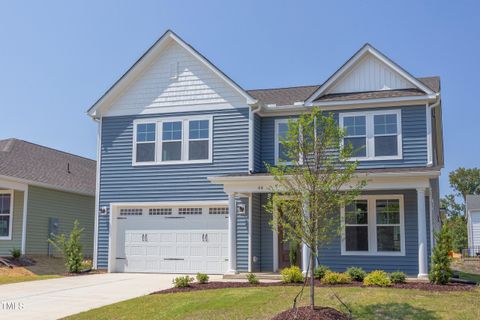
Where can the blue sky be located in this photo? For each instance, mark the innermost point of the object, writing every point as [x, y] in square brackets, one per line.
[58, 57]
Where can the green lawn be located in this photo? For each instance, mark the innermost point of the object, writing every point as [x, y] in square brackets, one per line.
[263, 303]
[13, 279]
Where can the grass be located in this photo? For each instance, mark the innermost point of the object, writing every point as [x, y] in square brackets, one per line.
[45, 268]
[14, 279]
[467, 269]
[264, 302]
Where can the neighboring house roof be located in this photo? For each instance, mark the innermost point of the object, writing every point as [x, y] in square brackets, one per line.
[473, 202]
[43, 166]
[288, 96]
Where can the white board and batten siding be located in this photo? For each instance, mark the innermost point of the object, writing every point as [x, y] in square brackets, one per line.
[475, 228]
[175, 81]
[370, 74]
[172, 240]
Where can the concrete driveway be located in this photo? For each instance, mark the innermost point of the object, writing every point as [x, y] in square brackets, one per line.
[57, 298]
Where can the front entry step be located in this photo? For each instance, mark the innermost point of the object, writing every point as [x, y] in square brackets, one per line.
[260, 276]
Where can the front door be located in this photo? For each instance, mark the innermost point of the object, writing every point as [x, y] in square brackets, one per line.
[288, 253]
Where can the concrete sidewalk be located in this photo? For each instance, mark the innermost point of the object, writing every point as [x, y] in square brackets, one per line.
[57, 298]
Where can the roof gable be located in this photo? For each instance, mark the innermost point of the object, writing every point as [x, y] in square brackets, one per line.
[366, 71]
[172, 69]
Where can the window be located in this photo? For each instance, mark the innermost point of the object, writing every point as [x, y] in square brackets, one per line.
[281, 129]
[356, 134]
[172, 141]
[220, 210]
[388, 225]
[374, 225]
[6, 208]
[373, 135]
[180, 140]
[160, 211]
[356, 226]
[131, 212]
[188, 211]
[146, 142]
[198, 140]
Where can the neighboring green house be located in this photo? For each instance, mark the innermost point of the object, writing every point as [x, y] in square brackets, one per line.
[43, 191]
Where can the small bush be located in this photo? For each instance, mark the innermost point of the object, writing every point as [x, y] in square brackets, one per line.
[377, 278]
[292, 275]
[356, 273]
[336, 278]
[182, 282]
[320, 272]
[202, 278]
[398, 277]
[16, 253]
[252, 278]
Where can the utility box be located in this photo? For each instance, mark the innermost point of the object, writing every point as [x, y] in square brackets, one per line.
[52, 230]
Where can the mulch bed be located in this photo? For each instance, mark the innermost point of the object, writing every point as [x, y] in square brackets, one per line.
[20, 262]
[409, 285]
[306, 313]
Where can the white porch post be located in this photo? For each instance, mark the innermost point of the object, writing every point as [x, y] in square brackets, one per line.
[422, 234]
[232, 231]
[305, 249]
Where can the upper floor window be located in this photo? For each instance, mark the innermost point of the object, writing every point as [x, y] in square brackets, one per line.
[374, 225]
[180, 140]
[373, 135]
[6, 208]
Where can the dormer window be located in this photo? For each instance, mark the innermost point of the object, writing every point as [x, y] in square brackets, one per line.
[373, 135]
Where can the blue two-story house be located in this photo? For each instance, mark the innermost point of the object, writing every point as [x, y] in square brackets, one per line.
[181, 179]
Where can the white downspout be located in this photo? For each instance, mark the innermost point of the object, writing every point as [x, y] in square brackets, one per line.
[429, 131]
[251, 138]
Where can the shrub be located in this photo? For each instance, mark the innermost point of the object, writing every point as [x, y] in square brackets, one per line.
[202, 278]
[71, 248]
[336, 278]
[320, 272]
[292, 275]
[16, 253]
[356, 273]
[252, 278]
[182, 282]
[377, 278]
[398, 277]
[440, 271]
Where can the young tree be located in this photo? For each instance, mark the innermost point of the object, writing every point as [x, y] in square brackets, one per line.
[440, 271]
[308, 192]
[71, 248]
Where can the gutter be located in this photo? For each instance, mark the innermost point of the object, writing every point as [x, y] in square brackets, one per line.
[251, 138]
[430, 107]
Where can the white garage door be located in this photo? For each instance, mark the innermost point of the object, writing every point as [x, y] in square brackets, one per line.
[172, 240]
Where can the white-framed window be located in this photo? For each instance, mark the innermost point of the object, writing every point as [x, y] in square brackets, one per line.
[173, 140]
[374, 225]
[374, 135]
[281, 129]
[6, 214]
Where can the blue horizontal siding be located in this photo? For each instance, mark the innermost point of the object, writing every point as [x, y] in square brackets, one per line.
[414, 139]
[242, 237]
[256, 233]
[122, 182]
[266, 237]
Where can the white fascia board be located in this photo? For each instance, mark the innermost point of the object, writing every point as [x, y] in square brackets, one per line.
[14, 184]
[26, 183]
[367, 49]
[139, 66]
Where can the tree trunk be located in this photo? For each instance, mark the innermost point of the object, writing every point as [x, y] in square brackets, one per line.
[312, 281]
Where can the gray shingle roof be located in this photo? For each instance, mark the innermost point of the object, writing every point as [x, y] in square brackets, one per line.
[473, 202]
[288, 96]
[45, 166]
